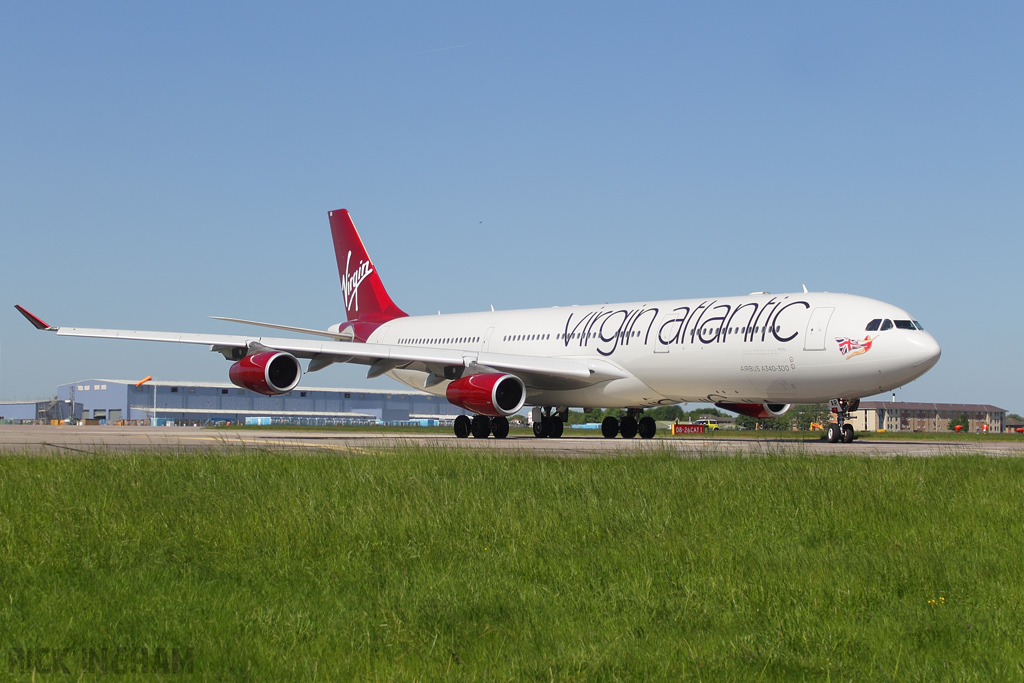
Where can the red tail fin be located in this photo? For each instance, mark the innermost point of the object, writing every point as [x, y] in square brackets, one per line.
[366, 299]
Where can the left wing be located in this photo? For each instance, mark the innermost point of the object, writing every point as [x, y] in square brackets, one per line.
[535, 371]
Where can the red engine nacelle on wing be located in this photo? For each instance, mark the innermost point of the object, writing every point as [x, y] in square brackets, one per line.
[757, 411]
[269, 373]
[493, 394]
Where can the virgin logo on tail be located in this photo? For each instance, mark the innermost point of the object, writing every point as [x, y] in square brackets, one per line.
[350, 283]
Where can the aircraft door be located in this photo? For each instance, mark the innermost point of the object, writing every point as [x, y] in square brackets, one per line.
[817, 326]
[487, 339]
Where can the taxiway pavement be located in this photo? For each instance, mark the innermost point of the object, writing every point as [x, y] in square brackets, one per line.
[84, 440]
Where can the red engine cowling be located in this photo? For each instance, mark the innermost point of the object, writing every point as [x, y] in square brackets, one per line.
[269, 373]
[757, 411]
[492, 394]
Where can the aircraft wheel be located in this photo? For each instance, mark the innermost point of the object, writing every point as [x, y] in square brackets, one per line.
[499, 427]
[832, 434]
[481, 426]
[557, 427]
[628, 427]
[542, 429]
[848, 435]
[462, 426]
[609, 427]
[647, 427]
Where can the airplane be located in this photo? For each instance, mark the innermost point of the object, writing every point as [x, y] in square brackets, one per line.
[756, 355]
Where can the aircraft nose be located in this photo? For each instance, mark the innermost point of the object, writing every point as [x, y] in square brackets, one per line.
[923, 350]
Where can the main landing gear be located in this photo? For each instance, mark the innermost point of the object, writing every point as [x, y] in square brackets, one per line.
[839, 430]
[548, 423]
[629, 426]
[481, 426]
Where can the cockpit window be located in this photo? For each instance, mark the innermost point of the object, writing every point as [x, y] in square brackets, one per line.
[919, 326]
[886, 325]
[873, 325]
[905, 325]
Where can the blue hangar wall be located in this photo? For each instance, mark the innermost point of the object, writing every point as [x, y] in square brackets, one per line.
[115, 400]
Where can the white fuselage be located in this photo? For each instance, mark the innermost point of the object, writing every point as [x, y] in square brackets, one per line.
[784, 348]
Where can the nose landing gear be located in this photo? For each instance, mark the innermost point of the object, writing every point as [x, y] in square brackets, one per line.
[840, 430]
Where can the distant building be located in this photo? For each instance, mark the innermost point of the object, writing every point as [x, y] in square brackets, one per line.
[872, 416]
[49, 410]
[113, 400]
[1014, 426]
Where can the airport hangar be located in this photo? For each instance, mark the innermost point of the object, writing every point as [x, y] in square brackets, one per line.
[198, 403]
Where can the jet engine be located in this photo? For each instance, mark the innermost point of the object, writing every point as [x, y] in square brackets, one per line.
[269, 373]
[758, 411]
[493, 394]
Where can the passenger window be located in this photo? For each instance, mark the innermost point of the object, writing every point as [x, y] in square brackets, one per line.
[886, 325]
[873, 325]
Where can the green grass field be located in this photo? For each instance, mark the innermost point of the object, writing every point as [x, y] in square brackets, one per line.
[423, 563]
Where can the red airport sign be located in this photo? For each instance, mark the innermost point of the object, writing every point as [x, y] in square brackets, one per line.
[687, 429]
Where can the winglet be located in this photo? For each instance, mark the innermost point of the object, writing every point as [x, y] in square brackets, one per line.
[36, 322]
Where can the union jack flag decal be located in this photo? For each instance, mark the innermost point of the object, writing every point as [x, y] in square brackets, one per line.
[854, 347]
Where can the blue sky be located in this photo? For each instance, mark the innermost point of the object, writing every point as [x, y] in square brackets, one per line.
[163, 162]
